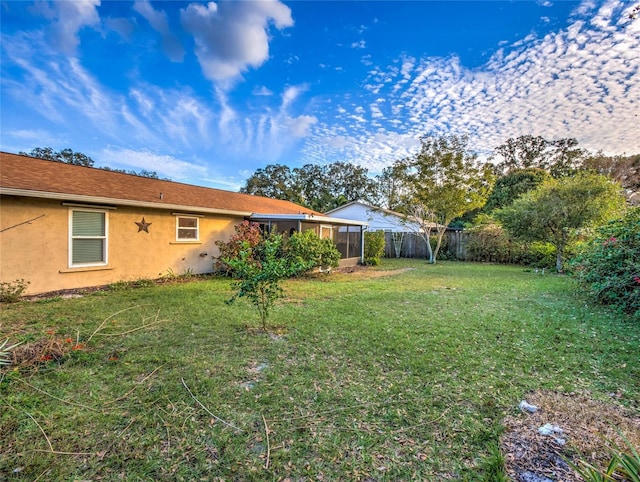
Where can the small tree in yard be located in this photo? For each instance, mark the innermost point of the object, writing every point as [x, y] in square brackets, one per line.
[443, 181]
[558, 210]
[257, 271]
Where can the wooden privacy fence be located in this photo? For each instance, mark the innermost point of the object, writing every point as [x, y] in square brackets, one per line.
[411, 245]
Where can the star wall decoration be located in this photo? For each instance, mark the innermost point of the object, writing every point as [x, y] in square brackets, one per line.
[143, 225]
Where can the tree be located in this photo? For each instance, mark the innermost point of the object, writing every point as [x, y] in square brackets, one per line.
[142, 173]
[623, 169]
[511, 186]
[559, 209]
[391, 188]
[560, 157]
[444, 180]
[319, 187]
[67, 156]
[315, 186]
[275, 181]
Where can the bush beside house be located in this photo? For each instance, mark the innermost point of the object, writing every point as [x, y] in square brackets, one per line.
[374, 244]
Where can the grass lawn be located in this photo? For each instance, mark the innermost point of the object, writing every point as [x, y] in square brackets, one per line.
[403, 375]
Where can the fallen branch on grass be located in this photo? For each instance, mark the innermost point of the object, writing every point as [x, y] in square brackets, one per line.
[136, 386]
[68, 402]
[108, 318]
[154, 322]
[51, 450]
[266, 432]
[41, 429]
[208, 411]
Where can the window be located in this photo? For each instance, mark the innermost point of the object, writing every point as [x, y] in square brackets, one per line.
[326, 232]
[88, 237]
[187, 228]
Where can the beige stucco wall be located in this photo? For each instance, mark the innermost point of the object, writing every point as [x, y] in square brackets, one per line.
[39, 251]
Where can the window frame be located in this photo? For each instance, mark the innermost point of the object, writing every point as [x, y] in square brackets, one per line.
[196, 228]
[104, 238]
[324, 228]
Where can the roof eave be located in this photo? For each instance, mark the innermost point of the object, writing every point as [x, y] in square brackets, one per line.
[117, 202]
[308, 217]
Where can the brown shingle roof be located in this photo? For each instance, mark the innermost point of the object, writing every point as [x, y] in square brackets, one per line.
[40, 178]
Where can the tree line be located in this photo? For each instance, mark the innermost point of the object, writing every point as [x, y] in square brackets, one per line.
[517, 165]
[69, 156]
[537, 189]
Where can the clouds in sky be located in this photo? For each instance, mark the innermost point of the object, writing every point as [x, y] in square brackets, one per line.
[67, 19]
[583, 82]
[230, 37]
[580, 81]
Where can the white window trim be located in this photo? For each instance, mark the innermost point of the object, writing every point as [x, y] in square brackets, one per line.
[326, 227]
[178, 228]
[105, 250]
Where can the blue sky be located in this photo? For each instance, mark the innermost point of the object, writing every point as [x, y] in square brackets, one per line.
[208, 92]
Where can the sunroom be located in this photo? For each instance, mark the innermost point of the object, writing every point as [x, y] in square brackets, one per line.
[347, 235]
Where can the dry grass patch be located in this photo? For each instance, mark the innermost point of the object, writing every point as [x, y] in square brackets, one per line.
[588, 427]
[38, 352]
[364, 272]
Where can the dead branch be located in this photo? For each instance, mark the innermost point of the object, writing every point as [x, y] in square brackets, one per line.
[136, 386]
[208, 411]
[266, 432]
[108, 318]
[54, 397]
[42, 430]
[155, 322]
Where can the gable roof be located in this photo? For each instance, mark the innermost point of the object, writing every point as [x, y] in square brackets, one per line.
[370, 207]
[28, 176]
[403, 219]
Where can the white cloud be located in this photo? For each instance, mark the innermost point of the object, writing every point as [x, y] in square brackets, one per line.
[261, 91]
[361, 44]
[267, 135]
[158, 21]
[299, 126]
[231, 37]
[165, 166]
[69, 19]
[291, 93]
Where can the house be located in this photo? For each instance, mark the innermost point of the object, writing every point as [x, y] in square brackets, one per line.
[64, 226]
[379, 219]
[403, 232]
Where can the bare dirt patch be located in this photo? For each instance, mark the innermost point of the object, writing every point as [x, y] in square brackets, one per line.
[365, 272]
[588, 428]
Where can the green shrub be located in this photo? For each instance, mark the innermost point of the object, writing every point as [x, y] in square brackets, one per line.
[491, 243]
[11, 291]
[609, 265]
[124, 285]
[306, 247]
[374, 242]
[539, 255]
